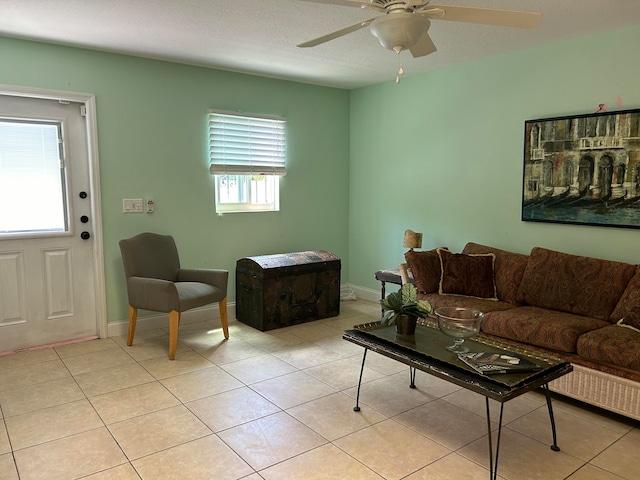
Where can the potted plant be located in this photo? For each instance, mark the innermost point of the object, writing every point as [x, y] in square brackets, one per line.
[404, 308]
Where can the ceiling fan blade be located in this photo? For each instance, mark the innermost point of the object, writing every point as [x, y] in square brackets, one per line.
[351, 3]
[336, 34]
[485, 16]
[344, 3]
[423, 47]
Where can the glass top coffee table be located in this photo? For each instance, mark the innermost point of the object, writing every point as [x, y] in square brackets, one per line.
[426, 351]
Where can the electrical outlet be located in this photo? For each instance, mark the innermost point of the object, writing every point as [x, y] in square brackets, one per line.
[150, 205]
[132, 205]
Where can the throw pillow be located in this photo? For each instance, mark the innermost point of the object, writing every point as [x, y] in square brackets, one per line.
[507, 269]
[632, 319]
[425, 268]
[468, 275]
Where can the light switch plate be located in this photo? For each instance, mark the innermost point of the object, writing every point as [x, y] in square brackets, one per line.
[132, 205]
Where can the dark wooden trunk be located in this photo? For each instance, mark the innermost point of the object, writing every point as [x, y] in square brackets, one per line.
[274, 291]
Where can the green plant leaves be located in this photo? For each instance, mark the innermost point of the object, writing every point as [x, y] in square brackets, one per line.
[404, 301]
[409, 293]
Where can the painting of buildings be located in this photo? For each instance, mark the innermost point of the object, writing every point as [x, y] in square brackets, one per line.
[583, 169]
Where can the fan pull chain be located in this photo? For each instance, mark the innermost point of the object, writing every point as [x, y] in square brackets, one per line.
[400, 70]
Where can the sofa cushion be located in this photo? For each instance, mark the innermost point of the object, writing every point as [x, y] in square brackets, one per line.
[571, 283]
[425, 268]
[540, 327]
[629, 299]
[468, 275]
[614, 345]
[508, 270]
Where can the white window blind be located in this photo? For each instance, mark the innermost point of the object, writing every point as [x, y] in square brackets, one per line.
[246, 145]
[32, 177]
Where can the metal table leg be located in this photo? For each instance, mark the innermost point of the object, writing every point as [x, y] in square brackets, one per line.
[547, 395]
[364, 358]
[493, 461]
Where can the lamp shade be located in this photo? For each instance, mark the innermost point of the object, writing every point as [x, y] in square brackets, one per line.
[412, 239]
[399, 30]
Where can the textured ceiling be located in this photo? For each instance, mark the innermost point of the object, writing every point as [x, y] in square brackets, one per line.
[260, 36]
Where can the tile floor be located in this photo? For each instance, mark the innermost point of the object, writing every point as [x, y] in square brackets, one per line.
[276, 405]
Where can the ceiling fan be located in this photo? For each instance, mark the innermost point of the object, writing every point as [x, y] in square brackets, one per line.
[405, 23]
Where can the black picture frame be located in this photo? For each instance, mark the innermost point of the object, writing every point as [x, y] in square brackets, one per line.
[583, 169]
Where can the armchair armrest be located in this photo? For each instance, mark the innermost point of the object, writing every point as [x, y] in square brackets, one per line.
[152, 294]
[211, 276]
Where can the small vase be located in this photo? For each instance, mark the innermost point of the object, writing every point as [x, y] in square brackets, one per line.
[406, 324]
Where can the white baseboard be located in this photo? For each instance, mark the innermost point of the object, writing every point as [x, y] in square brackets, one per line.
[209, 313]
[366, 293]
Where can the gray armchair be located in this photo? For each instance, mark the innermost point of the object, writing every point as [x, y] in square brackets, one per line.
[156, 282]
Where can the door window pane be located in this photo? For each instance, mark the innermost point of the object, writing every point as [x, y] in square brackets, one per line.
[32, 189]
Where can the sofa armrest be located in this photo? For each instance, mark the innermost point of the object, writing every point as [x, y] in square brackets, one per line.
[404, 273]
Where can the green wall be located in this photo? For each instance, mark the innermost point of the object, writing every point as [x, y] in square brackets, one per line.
[151, 118]
[442, 153]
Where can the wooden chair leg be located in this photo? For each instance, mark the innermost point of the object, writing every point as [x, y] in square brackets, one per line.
[174, 323]
[224, 321]
[133, 318]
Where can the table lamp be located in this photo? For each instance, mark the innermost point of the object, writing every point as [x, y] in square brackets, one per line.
[412, 239]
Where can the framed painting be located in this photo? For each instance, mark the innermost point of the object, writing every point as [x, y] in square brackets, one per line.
[583, 169]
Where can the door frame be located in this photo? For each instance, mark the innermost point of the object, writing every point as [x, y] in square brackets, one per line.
[89, 100]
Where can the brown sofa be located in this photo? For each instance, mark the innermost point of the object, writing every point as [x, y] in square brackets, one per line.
[583, 309]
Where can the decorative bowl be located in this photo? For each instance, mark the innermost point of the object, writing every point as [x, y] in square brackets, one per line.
[458, 323]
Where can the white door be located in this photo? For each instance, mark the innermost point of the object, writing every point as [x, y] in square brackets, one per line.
[47, 241]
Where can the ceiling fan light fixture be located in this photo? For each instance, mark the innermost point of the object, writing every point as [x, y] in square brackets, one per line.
[399, 30]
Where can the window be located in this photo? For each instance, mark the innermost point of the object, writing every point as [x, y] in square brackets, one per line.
[32, 180]
[247, 158]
